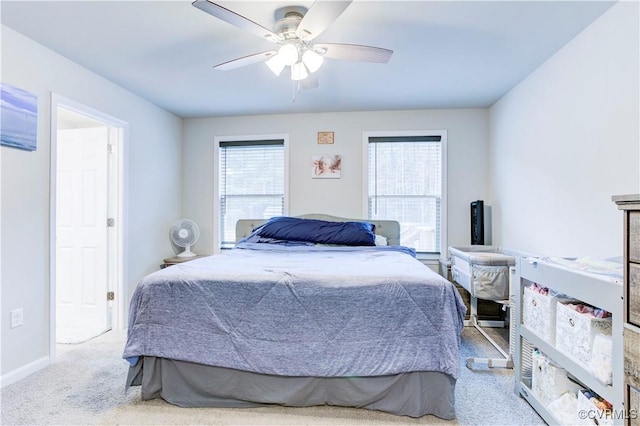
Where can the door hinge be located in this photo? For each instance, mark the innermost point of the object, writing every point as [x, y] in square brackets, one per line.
[110, 295]
[110, 149]
[111, 222]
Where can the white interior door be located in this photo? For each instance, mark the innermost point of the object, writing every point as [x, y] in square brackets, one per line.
[81, 234]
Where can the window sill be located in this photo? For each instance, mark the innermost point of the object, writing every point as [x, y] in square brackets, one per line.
[428, 257]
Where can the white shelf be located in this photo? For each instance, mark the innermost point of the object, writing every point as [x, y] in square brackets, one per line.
[592, 289]
[575, 369]
[537, 405]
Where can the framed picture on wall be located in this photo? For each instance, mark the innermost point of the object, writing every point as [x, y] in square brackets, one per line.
[325, 137]
[19, 118]
[327, 166]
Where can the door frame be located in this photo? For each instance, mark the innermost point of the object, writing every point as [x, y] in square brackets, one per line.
[117, 176]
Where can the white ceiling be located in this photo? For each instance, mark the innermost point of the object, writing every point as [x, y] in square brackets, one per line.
[447, 54]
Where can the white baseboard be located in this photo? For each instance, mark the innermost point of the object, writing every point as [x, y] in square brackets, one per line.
[24, 371]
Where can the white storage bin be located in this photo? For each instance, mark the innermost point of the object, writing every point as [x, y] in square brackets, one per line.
[601, 363]
[548, 380]
[565, 409]
[539, 314]
[575, 333]
[590, 414]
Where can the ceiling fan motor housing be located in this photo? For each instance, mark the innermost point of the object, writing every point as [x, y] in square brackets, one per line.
[287, 20]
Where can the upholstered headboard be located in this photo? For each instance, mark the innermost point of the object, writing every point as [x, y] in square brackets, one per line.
[390, 229]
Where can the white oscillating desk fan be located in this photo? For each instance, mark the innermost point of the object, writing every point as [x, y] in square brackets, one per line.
[184, 233]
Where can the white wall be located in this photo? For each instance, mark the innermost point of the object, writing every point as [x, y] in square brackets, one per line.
[467, 161]
[565, 140]
[153, 189]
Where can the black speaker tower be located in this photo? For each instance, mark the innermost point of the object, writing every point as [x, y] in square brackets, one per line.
[477, 222]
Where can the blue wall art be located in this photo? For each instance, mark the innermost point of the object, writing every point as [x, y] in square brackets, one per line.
[18, 118]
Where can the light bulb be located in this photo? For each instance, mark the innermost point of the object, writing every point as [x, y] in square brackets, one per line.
[275, 64]
[312, 60]
[288, 53]
[299, 71]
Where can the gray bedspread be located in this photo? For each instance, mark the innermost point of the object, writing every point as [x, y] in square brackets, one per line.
[300, 311]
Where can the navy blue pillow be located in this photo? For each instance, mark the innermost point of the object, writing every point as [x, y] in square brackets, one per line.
[318, 231]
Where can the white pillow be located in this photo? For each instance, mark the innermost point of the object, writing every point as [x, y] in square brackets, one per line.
[380, 240]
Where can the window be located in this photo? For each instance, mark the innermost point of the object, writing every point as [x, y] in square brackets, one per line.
[251, 183]
[406, 183]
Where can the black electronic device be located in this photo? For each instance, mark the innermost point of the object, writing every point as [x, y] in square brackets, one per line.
[477, 222]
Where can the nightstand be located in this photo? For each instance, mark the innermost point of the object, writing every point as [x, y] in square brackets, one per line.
[175, 260]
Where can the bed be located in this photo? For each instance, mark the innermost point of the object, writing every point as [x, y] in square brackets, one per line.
[300, 323]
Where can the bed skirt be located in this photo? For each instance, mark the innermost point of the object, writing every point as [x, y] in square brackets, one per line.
[189, 384]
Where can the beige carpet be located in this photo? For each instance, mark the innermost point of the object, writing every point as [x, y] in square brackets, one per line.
[85, 386]
[75, 335]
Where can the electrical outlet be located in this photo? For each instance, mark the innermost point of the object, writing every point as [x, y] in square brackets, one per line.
[17, 318]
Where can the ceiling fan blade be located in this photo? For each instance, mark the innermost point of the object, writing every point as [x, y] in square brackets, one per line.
[245, 60]
[235, 19]
[320, 15]
[354, 52]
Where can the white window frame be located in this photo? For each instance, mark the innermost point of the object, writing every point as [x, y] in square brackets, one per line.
[216, 187]
[443, 180]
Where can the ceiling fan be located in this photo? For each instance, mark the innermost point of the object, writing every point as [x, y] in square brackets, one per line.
[294, 31]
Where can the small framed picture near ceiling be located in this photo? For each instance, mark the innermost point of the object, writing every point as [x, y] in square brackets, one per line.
[326, 166]
[325, 137]
[19, 118]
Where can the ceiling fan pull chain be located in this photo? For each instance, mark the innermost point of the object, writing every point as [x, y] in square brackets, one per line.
[293, 90]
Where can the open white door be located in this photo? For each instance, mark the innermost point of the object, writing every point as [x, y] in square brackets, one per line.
[81, 234]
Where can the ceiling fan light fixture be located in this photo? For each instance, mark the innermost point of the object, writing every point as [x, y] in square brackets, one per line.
[312, 60]
[288, 54]
[275, 64]
[299, 71]
[294, 32]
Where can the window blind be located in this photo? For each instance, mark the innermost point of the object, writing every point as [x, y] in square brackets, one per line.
[251, 183]
[405, 184]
